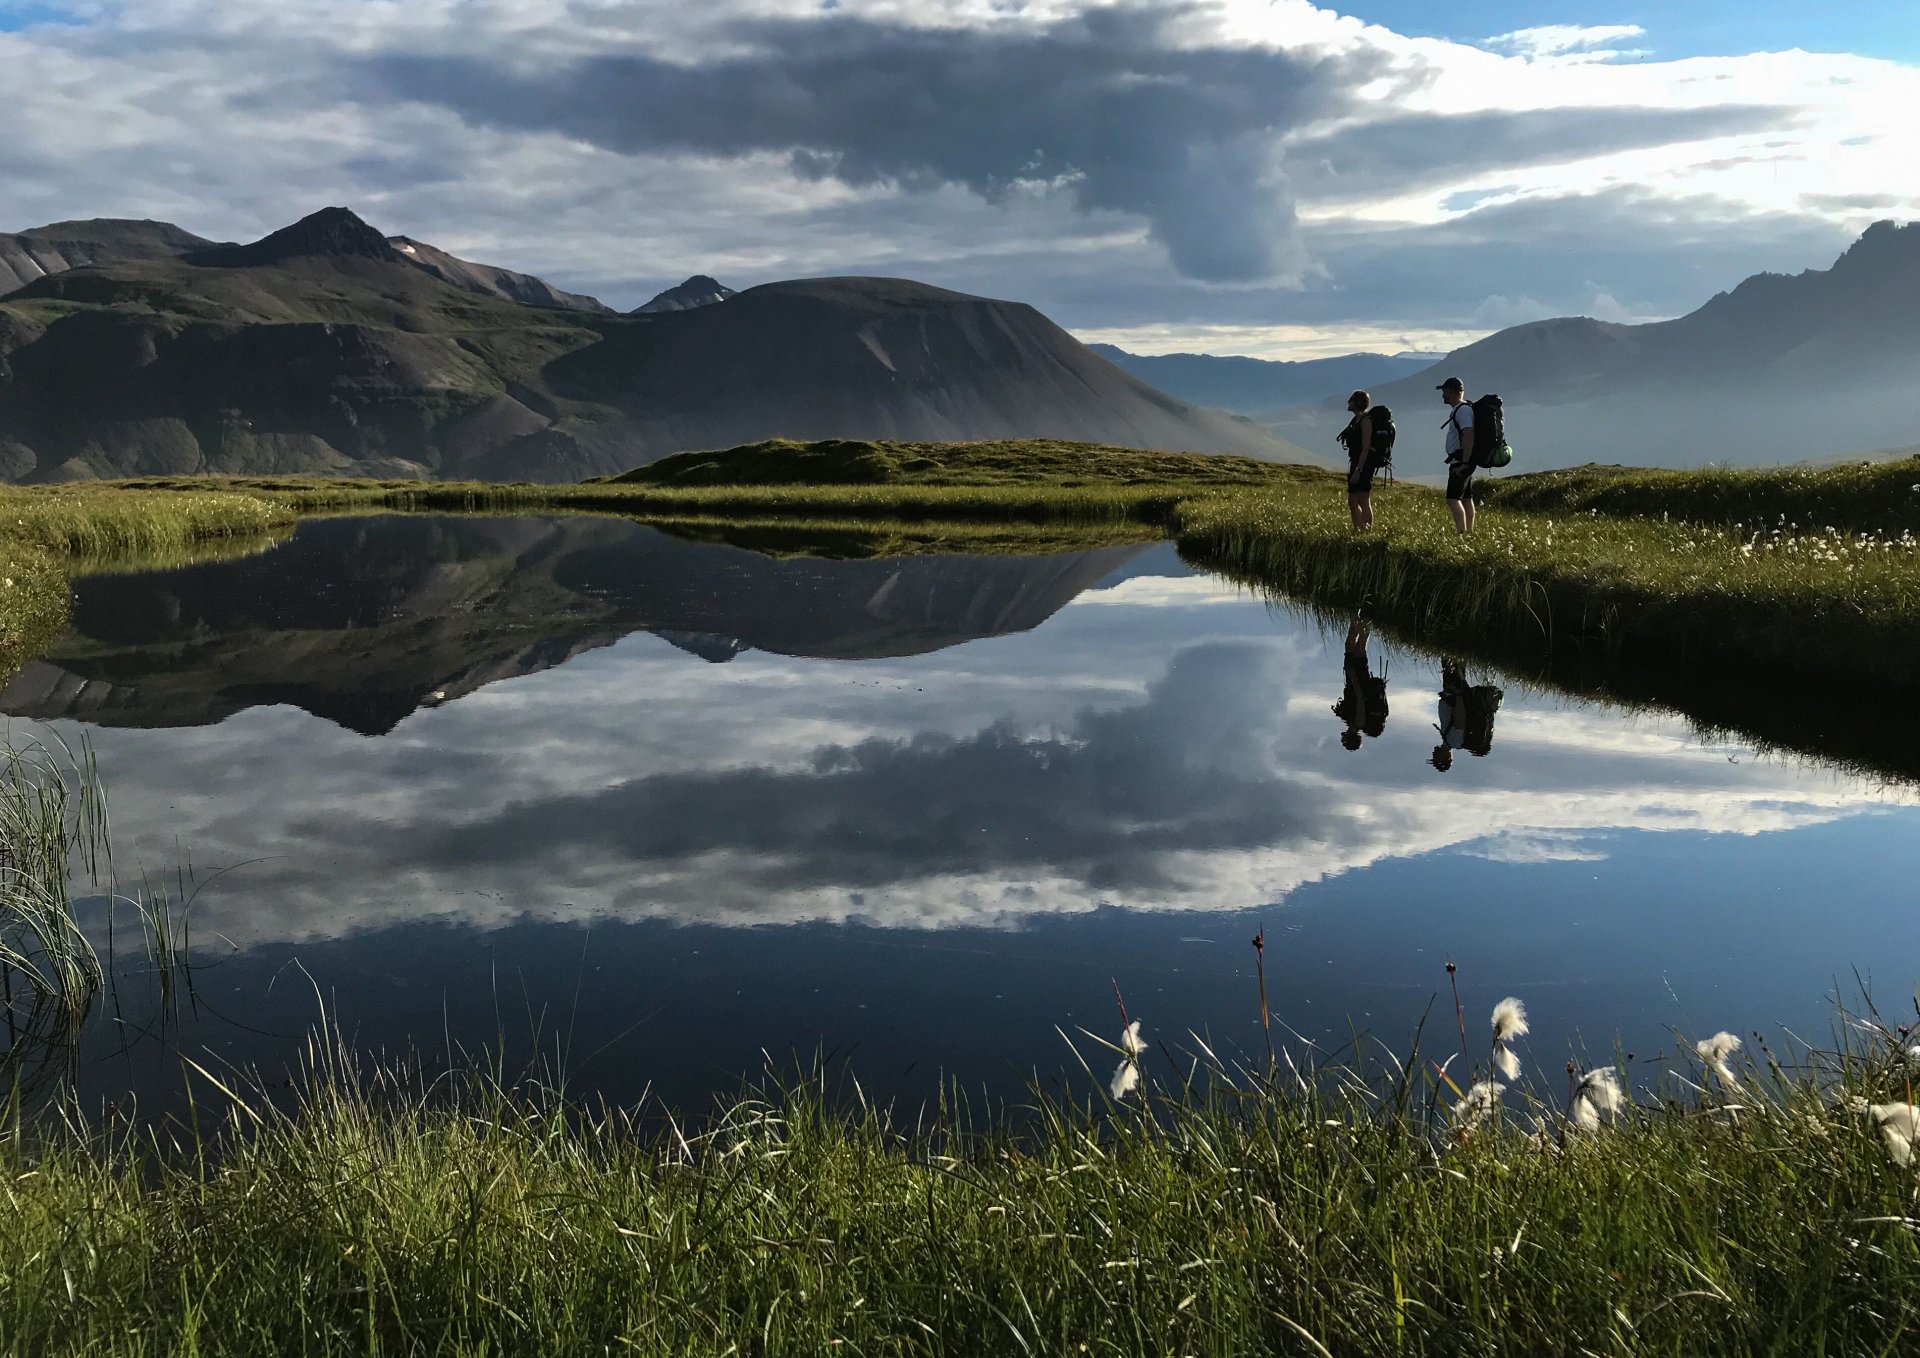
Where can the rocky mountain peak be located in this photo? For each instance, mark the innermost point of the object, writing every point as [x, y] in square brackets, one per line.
[332, 232]
[697, 291]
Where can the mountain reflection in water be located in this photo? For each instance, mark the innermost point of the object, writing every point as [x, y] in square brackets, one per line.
[1126, 769]
[363, 621]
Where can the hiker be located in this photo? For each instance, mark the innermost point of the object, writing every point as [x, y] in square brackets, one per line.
[1466, 715]
[1363, 705]
[1361, 438]
[1460, 451]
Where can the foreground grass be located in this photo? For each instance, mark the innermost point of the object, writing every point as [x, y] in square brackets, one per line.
[364, 1217]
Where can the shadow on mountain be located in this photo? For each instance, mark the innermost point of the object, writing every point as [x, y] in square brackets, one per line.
[363, 621]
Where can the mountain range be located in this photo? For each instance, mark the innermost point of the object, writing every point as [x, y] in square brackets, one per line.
[135, 348]
[419, 611]
[1260, 386]
[1779, 369]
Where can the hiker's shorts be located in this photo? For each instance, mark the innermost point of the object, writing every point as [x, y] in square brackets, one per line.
[1460, 480]
[1360, 478]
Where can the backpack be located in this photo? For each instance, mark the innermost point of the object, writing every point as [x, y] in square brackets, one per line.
[1490, 433]
[1483, 700]
[1381, 454]
[1383, 436]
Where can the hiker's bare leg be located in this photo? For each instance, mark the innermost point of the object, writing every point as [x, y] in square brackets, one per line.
[1471, 507]
[1462, 514]
[1357, 511]
[1365, 519]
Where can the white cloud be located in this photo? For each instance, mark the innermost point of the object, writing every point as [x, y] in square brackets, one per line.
[1585, 41]
[232, 117]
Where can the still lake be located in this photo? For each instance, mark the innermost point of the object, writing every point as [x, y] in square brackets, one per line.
[668, 808]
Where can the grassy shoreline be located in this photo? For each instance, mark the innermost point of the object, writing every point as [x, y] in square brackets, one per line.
[1653, 584]
[1227, 1214]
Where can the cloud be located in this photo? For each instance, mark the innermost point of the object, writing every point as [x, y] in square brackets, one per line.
[1099, 107]
[1587, 41]
[1394, 156]
[1231, 159]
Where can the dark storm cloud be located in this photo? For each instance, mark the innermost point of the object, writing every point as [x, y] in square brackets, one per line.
[1400, 155]
[1099, 104]
[1559, 251]
[1104, 802]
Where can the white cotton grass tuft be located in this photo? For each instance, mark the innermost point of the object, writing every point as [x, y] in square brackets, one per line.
[1898, 1125]
[1715, 1052]
[1480, 1102]
[1126, 1076]
[1596, 1092]
[1509, 1020]
[1508, 1063]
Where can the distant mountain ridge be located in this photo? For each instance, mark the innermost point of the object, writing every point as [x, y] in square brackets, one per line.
[1259, 386]
[1780, 368]
[327, 348]
[29, 255]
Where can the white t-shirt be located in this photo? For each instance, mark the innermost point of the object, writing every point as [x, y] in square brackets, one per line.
[1458, 417]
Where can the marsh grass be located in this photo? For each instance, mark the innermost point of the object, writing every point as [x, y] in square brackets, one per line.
[1292, 1210]
[1856, 496]
[1824, 601]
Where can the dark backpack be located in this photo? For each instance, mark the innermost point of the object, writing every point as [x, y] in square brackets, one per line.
[1490, 433]
[1483, 701]
[1383, 436]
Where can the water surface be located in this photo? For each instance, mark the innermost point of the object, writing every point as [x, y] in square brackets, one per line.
[664, 807]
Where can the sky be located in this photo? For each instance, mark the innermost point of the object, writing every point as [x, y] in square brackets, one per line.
[1233, 176]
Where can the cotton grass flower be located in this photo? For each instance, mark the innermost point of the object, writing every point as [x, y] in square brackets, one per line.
[1126, 1076]
[1715, 1052]
[1596, 1092]
[1898, 1125]
[1479, 1103]
[1509, 1022]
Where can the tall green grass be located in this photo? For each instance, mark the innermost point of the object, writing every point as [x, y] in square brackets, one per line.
[1219, 1212]
[1852, 496]
[1831, 603]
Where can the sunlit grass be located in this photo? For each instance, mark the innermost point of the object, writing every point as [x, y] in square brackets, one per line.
[1815, 598]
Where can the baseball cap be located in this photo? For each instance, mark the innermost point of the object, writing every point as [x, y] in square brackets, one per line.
[1452, 384]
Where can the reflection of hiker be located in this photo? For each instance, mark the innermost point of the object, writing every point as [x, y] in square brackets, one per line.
[1466, 715]
[1460, 463]
[1363, 706]
[1368, 439]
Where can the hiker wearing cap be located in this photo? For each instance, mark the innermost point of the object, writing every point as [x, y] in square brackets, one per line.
[1459, 453]
[1358, 439]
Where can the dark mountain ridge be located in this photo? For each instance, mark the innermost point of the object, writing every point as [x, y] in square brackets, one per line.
[323, 348]
[697, 291]
[27, 255]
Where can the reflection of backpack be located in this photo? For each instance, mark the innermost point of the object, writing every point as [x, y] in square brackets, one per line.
[1375, 691]
[1383, 436]
[1483, 700]
[1490, 433]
